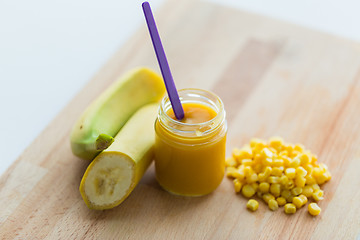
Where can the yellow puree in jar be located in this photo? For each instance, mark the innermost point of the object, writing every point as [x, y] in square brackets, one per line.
[194, 113]
[190, 165]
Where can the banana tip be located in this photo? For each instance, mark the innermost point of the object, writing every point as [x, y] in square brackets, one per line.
[103, 141]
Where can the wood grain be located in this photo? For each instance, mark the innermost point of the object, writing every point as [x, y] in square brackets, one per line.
[275, 79]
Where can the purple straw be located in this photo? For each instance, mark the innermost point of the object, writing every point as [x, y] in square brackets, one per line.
[164, 65]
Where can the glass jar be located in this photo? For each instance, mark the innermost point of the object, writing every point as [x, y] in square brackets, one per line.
[190, 158]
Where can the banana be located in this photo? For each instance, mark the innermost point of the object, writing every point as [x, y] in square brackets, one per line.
[115, 172]
[102, 120]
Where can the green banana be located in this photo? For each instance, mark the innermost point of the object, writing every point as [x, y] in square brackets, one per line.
[102, 120]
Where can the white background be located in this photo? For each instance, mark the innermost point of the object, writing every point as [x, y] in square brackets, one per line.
[50, 49]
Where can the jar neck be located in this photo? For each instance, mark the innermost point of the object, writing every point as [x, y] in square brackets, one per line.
[193, 130]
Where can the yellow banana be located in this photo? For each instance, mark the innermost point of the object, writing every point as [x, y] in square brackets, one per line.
[115, 172]
[102, 120]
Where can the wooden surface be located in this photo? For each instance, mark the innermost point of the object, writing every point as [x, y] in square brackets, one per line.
[275, 79]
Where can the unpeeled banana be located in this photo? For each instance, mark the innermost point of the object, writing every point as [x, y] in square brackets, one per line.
[102, 120]
[115, 172]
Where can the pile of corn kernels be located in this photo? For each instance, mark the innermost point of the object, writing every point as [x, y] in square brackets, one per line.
[280, 174]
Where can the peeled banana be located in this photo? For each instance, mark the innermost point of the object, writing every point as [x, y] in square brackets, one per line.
[115, 172]
[102, 120]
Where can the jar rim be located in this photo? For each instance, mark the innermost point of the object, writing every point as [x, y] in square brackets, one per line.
[216, 104]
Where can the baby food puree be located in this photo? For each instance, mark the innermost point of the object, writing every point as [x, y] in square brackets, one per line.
[190, 153]
[195, 113]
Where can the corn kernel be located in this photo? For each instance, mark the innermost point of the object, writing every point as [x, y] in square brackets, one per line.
[314, 209]
[248, 191]
[276, 172]
[315, 165]
[255, 186]
[290, 173]
[283, 180]
[247, 162]
[308, 191]
[258, 148]
[262, 177]
[266, 153]
[309, 168]
[294, 163]
[267, 161]
[323, 166]
[273, 204]
[305, 158]
[240, 173]
[281, 201]
[289, 185]
[297, 201]
[317, 172]
[315, 187]
[231, 172]
[299, 147]
[295, 154]
[290, 198]
[231, 162]
[328, 175]
[243, 153]
[285, 193]
[321, 178]
[296, 191]
[303, 198]
[318, 195]
[231, 169]
[290, 208]
[257, 158]
[284, 152]
[300, 171]
[289, 148]
[278, 162]
[252, 205]
[246, 148]
[237, 185]
[252, 178]
[267, 197]
[310, 180]
[267, 171]
[313, 159]
[257, 167]
[273, 150]
[300, 181]
[273, 179]
[248, 171]
[286, 160]
[236, 153]
[255, 142]
[264, 187]
[276, 142]
[275, 189]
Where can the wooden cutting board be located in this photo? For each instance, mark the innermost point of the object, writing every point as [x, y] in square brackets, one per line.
[275, 79]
